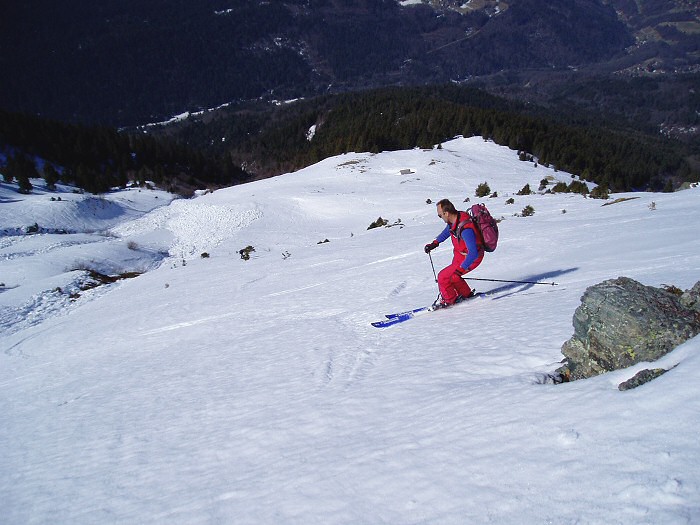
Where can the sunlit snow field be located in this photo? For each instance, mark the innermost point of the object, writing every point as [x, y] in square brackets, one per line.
[222, 390]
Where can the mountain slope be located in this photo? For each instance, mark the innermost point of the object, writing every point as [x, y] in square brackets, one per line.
[219, 389]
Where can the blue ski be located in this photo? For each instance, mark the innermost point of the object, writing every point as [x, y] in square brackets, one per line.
[400, 317]
[393, 319]
[415, 310]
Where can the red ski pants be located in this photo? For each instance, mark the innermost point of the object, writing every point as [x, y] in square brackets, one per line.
[451, 284]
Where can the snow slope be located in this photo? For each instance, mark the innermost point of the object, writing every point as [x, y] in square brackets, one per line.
[220, 390]
[73, 237]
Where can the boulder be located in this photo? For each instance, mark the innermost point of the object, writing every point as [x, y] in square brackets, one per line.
[691, 298]
[641, 377]
[621, 322]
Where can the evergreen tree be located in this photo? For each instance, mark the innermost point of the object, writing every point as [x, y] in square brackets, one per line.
[482, 190]
[51, 176]
[25, 186]
[22, 168]
[525, 190]
[7, 175]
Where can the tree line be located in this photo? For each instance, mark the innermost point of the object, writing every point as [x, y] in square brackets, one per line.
[622, 159]
[97, 159]
[252, 141]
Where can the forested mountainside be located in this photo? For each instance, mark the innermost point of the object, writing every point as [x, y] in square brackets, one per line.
[268, 140]
[132, 62]
[250, 141]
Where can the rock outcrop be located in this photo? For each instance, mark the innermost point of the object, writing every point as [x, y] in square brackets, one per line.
[621, 322]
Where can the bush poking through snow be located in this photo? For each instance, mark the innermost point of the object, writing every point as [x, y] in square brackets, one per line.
[600, 192]
[378, 223]
[245, 252]
[93, 279]
[578, 186]
[528, 211]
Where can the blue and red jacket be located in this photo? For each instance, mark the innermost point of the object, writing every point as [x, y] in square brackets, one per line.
[466, 242]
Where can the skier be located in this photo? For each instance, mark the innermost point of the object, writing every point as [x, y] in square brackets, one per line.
[468, 254]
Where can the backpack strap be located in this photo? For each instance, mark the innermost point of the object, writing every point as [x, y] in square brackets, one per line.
[460, 227]
[463, 224]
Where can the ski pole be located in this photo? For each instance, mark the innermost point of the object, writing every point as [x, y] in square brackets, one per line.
[439, 295]
[431, 264]
[506, 281]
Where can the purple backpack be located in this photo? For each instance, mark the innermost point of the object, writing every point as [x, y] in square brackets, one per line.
[486, 224]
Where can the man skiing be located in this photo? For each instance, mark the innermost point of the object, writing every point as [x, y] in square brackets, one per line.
[468, 253]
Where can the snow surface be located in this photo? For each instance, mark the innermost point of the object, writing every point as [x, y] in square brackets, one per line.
[219, 390]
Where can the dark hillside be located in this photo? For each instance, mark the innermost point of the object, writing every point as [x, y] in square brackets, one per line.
[131, 62]
[255, 140]
[537, 33]
[98, 159]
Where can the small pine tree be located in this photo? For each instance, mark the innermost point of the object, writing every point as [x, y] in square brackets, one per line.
[578, 186]
[525, 190]
[528, 211]
[51, 177]
[482, 190]
[24, 185]
[22, 168]
[600, 192]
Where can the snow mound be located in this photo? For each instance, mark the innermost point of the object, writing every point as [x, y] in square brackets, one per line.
[66, 210]
[190, 227]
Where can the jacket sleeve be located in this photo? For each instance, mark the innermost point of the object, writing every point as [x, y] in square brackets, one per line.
[444, 234]
[469, 238]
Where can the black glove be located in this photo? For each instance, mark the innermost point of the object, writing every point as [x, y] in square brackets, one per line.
[431, 246]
